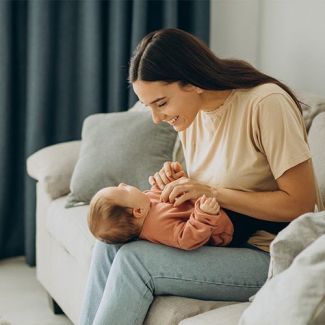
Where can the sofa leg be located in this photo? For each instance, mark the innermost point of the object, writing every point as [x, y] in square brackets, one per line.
[54, 306]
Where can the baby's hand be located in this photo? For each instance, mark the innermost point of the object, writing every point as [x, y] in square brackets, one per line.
[209, 205]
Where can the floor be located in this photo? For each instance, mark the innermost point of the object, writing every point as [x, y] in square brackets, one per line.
[23, 301]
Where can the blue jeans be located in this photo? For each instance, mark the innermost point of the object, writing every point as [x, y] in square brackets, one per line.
[123, 279]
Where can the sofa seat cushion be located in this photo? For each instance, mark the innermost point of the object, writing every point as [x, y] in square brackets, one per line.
[70, 229]
[170, 310]
[227, 315]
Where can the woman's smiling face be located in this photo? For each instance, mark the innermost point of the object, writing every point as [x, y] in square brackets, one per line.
[169, 102]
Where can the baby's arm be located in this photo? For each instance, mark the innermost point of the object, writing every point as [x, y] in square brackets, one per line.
[214, 226]
[198, 229]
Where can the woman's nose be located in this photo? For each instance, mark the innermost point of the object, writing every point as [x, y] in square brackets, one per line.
[157, 117]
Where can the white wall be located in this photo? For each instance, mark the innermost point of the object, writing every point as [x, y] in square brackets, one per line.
[284, 38]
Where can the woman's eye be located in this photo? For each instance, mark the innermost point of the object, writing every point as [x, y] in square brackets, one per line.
[162, 104]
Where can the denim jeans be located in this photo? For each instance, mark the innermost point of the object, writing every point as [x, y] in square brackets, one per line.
[123, 279]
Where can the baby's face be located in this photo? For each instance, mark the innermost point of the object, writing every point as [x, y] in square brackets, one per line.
[127, 196]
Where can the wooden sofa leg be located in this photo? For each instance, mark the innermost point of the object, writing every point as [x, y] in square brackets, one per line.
[54, 306]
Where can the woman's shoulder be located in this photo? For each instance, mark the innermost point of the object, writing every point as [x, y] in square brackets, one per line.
[264, 96]
[260, 92]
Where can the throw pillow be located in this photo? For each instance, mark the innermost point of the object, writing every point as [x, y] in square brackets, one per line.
[119, 147]
[294, 291]
[178, 154]
[295, 296]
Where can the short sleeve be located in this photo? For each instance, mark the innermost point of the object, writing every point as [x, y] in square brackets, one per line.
[280, 133]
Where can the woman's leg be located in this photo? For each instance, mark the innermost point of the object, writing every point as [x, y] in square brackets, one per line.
[101, 262]
[142, 270]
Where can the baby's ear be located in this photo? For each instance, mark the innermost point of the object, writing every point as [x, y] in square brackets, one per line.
[137, 212]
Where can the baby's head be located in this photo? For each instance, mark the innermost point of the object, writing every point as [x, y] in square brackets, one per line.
[116, 214]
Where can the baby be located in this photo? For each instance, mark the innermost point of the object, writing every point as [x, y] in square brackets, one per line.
[123, 213]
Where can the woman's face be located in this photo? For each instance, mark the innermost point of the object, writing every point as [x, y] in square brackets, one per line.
[171, 103]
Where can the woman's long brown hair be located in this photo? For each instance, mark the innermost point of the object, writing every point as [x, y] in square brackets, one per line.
[173, 55]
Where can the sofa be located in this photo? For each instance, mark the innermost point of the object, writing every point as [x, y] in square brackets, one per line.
[64, 243]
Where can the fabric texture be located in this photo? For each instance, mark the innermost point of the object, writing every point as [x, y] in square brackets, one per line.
[185, 226]
[250, 134]
[70, 229]
[53, 166]
[207, 273]
[311, 105]
[226, 315]
[295, 290]
[294, 239]
[173, 310]
[118, 148]
[270, 117]
[188, 227]
[316, 138]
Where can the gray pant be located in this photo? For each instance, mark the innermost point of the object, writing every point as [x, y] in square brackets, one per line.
[123, 280]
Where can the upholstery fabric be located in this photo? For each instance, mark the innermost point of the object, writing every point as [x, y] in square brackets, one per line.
[53, 166]
[295, 296]
[294, 291]
[172, 310]
[311, 106]
[316, 138]
[69, 227]
[227, 315]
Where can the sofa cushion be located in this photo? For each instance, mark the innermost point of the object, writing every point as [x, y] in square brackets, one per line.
[294, 296]
[170, 310]
[311, 106]
[316, 139]
[178, 154]
[70, 229]
[228, 315]
[119, 147]
[292, 240]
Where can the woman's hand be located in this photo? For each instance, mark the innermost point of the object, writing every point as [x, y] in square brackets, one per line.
[171, 171]
[184, 189]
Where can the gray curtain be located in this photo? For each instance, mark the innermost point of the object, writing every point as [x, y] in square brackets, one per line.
[61, 61]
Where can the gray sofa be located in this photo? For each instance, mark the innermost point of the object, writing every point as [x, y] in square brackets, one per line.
[64, 243]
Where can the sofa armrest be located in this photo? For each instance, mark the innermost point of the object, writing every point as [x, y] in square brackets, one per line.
[53, 166]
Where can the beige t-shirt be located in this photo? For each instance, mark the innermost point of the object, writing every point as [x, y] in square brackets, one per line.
[247, 143]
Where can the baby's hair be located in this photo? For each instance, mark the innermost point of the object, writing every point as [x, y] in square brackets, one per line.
[111, 223]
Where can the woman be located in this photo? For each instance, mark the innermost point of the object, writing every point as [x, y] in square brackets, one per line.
[244, 143]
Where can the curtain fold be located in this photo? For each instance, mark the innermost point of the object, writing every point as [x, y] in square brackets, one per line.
[61, 61]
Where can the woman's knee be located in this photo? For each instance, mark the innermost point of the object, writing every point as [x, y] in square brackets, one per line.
[103, 252]
[136, 254]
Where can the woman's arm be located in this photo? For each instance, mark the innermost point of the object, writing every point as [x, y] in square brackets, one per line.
[296, 195]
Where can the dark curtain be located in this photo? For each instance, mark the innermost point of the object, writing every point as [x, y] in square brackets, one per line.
[61, 61]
